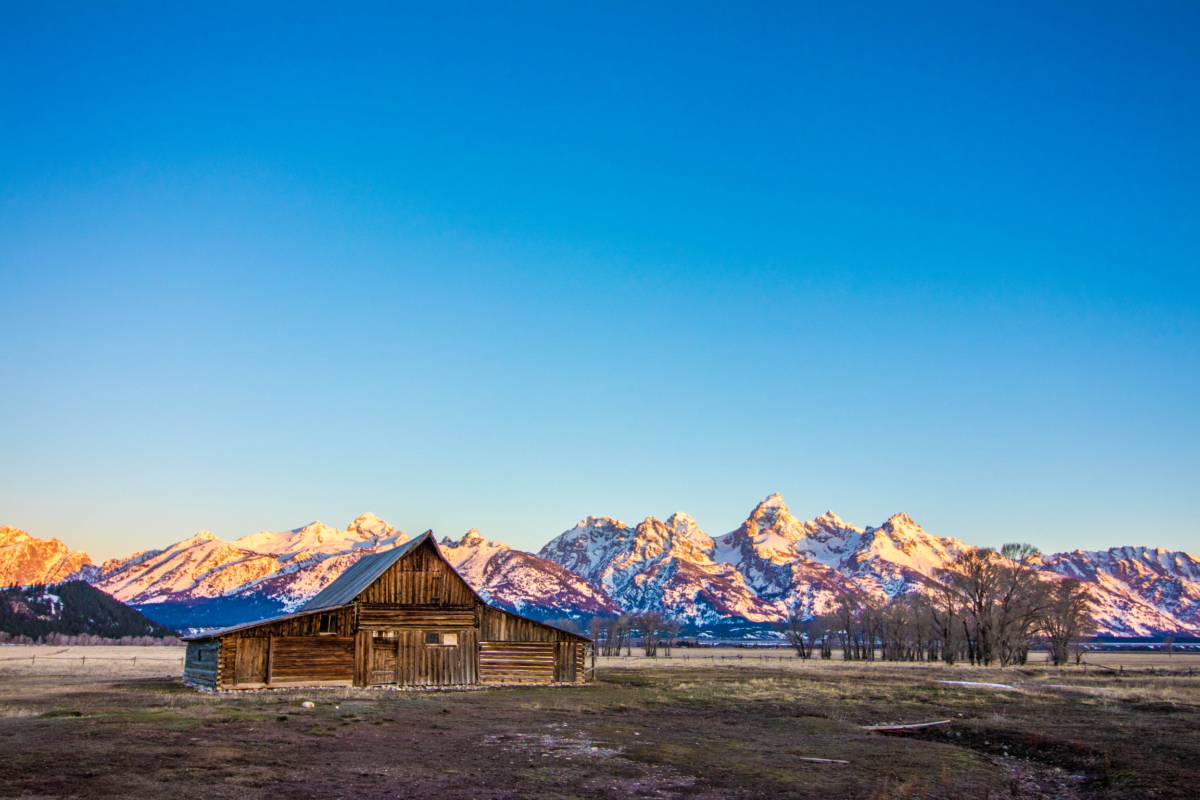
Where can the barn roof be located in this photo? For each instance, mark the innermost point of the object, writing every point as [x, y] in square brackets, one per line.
[361, 574]
[210, 633]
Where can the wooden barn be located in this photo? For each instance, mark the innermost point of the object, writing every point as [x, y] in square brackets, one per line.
[402, 617]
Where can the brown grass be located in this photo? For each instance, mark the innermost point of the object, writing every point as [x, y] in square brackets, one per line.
[694, 730]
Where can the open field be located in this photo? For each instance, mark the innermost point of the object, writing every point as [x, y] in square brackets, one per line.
[91, 662]
[724, 729]
[786, 658]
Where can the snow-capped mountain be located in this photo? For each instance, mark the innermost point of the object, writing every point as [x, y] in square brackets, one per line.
[1139, 591]
[25, 560]
[523, 582]
[753, 575]
[284, 566]
[774, 561]
[659, 565]
[281, 570]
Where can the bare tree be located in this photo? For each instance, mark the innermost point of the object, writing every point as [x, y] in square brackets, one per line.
[1067, 619]
[797, 630]
[649, 626]
[671, 628]
[1023, 599]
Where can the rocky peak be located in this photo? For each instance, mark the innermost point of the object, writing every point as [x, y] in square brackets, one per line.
[200, 538]
[10, 536]
[473, 539]
[27, 560]
[770, 511]
[369, 526]
[901, 521]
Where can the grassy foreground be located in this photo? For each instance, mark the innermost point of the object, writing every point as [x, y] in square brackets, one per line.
[724, 730]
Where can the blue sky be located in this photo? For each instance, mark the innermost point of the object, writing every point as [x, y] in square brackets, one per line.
[507, 265]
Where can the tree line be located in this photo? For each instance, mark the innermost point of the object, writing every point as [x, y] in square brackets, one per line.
[90, 640]
[987, 607]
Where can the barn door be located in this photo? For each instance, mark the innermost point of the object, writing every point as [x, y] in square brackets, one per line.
[383, 660]
[251, 661]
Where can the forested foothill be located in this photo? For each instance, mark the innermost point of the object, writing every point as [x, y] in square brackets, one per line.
[73, 613]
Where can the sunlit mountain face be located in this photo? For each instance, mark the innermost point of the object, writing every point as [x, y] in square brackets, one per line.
[742, 580]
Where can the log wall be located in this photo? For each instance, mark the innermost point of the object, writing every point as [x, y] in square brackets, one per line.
[501, 626]
[387, 617]
[200, 663]
[327, 660]
[226, 660]
[568, 662]
[516, 662]
[305, 625]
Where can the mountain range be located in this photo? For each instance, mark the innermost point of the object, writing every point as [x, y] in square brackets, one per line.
[741, 581]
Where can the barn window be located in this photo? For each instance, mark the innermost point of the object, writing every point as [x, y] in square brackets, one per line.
[443, 639]
[329, 623]
[433, 638]
[450, 639]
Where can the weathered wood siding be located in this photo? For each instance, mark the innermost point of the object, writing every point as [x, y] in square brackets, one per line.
[305, 625]
[226, 661]
[405, 659]
[327, 660]
[387, 617]
[516, 662]
[421, 578]
[200, 663]
[501, 626]
[250, 662]
[568, 662]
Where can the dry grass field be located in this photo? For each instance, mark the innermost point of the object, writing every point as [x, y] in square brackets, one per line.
[732, 728]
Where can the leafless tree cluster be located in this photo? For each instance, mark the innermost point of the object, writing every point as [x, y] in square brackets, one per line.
[986, 607]
[651, 630]
[609, 636]
[994, 605]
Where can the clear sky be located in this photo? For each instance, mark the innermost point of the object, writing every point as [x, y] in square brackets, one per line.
[504, 265]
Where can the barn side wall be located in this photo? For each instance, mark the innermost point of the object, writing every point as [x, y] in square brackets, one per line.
[200, 663]
[514, 649]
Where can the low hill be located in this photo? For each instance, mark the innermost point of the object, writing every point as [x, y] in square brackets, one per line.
[71, 608]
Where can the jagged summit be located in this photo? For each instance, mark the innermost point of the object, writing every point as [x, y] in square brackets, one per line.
[901, 520]
[26, 560]
[770, 508]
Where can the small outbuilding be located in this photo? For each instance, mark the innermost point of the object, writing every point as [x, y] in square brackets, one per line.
[402, 617]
